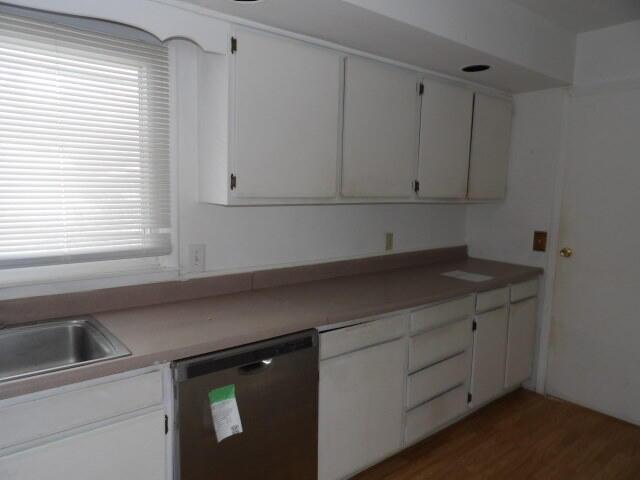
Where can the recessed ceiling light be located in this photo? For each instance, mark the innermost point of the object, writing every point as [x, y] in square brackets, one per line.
[247, 2]
[475, 68]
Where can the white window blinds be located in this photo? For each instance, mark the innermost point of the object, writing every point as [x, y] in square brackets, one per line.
[84, 146]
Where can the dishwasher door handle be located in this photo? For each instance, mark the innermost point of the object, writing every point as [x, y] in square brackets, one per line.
[247, 358]
[256, 367]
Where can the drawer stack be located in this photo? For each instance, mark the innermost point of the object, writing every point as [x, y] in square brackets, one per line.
[440, 344]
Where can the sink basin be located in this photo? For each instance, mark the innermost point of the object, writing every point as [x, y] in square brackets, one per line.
[55, 345]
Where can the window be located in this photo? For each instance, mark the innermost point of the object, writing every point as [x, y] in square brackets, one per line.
[84, 146]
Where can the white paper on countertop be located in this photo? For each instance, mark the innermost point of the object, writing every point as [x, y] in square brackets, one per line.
[468, 276]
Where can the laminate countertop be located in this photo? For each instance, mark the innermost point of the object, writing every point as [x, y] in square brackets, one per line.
[166, 332]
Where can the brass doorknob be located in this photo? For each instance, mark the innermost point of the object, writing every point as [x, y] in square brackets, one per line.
[566, 252]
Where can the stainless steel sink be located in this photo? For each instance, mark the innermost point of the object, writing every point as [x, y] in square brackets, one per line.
[55, 345]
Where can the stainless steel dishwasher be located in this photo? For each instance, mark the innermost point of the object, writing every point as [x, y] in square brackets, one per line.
[249, 412]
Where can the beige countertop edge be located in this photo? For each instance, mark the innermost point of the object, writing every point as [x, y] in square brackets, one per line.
[138, 360]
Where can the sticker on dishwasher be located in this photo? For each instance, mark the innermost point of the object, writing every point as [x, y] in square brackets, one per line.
[224, 411]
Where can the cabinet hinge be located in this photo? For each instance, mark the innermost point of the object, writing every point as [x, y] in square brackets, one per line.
[469, 397]
[416, 186]
[233, 182]
[421, 89]
[166, 424]
[234, 44]
[474, 326]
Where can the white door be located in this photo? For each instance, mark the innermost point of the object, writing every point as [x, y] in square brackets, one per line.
[489, 355]
[128, 449]
[445, 133]
[521, 341]
[380, 140]
[361, 403]
[490, 141]
[594, 353]
[287, 107]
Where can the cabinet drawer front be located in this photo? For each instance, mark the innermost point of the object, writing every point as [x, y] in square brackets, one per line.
[431, 415]
[62, 411]
[348, 339]
[431, 382]
[442, 313]
[439, 343]
[521, 291]
[129, 449]
[493, 299]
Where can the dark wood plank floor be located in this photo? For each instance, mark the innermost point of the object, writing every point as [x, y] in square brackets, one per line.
[522, 436]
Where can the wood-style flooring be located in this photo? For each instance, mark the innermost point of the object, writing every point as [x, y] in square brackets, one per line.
[522, 436]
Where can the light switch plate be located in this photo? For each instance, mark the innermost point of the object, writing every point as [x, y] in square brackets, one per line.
[539, 241]
[388, 241]
[197, 258]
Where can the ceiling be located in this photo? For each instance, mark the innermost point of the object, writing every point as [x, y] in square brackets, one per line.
[346, 24]
[583, 15]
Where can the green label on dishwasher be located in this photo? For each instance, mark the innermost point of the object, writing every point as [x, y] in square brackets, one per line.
[223, 393]
[224, 412]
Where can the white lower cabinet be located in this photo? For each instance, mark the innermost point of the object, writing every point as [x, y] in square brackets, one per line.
[439, 343]
[430, 382]
[106, 429]
[520, 341]
[435, 413]
[489, 355]
[361, 406]
[439, 367]
[128, 449]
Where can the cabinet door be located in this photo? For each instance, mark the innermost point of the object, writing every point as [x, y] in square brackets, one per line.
[287, 108]
[380, 141]
[360, 408]
[128, 449]
[521, 341]
[489, 355]
[445, 133]
[489, 147]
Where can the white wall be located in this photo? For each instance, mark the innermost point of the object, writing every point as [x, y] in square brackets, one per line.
[504, 231]
[608, 55]
[605, 59]
[244, 238]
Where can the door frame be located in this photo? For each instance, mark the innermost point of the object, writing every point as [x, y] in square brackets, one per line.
[548, 284]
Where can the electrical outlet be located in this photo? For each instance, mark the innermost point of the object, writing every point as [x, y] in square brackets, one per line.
[196, 258]
[388, 241]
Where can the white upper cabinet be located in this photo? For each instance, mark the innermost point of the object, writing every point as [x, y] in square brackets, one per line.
[380, 139]
[489, 148]
[287, 110]
[284, 121]
[445, 134]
